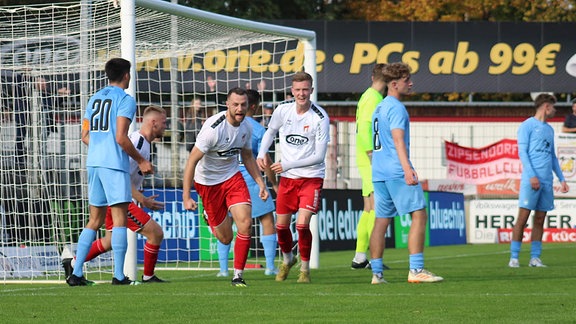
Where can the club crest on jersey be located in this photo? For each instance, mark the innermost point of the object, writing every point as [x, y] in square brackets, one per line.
[296, 139]
[306, 128]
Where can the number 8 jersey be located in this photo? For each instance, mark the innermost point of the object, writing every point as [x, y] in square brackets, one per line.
[389, 114]
[100, 118]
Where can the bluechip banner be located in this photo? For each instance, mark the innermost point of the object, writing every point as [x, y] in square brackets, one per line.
[446, 218]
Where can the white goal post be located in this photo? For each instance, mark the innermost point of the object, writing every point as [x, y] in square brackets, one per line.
[51, 61]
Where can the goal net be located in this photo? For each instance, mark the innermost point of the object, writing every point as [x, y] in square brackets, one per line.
[51, 62]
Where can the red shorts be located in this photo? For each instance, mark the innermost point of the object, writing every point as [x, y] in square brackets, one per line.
[294, 194]
[137, 218]
[218, 199]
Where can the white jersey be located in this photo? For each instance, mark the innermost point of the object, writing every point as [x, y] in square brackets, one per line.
[299, 135]
[221, 144]
[143, 146]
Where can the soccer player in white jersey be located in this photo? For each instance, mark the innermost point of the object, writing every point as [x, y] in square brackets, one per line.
[139, 221]
[261, 209]
[213, 168]
[105, 129]
[304, 135]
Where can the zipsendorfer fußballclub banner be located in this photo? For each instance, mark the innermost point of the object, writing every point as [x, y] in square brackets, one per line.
[483, 165]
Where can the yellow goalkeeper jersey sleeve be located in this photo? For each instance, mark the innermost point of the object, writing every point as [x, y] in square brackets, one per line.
[366, 106]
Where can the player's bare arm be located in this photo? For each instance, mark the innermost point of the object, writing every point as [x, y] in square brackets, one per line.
[270, 174]
[189, 171]
[254, 171]
[148, 202]
[122, 124]
[410, 175]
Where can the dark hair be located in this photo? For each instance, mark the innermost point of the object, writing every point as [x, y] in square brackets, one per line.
[302, 76]
[544, 98]
[237, 90]
[395, 71]
[253, 97]
[377, 73]
[116, 68]
[573, 101]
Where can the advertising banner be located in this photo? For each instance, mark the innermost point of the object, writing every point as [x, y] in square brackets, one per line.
[181, 233]
[446, 221]
[28, 261]
[566, 153]
[483, 165]
[338, 218]
[550, 235]
[446, 218]
[443, 56]
[486, 217]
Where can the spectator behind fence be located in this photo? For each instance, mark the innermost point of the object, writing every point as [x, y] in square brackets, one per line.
[191, 123]
[570, 121]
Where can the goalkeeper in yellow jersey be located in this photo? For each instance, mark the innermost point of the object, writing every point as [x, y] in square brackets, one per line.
[366, 106]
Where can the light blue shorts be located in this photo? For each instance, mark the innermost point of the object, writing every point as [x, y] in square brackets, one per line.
[395, 197]
[541, 199]
[259, 206]
[108, 187]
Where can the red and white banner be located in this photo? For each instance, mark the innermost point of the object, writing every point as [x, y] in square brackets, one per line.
[550, 235]
[483, 165]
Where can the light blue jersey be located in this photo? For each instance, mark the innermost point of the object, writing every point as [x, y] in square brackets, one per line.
[536, 151]
[389, 114]
[259, 207]
[257, 134]
[103, 108]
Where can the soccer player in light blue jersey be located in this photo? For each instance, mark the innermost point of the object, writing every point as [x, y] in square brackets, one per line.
[105, 130]
[397, 190]
[261, 209]
[538, 157]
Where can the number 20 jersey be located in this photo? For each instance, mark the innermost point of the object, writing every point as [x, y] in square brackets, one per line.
[103, 108]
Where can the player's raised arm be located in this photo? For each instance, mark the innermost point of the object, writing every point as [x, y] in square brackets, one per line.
[189, 171]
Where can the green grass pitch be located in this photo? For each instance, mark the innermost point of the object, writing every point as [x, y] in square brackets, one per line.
[478, 288]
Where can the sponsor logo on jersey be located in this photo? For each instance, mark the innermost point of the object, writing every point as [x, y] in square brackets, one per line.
[296, 139]
[231, 152]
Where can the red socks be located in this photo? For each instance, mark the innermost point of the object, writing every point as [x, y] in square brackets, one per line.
[150, 258]
[241, 249]
[304, 241]
[284, 238]
[95, 250]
